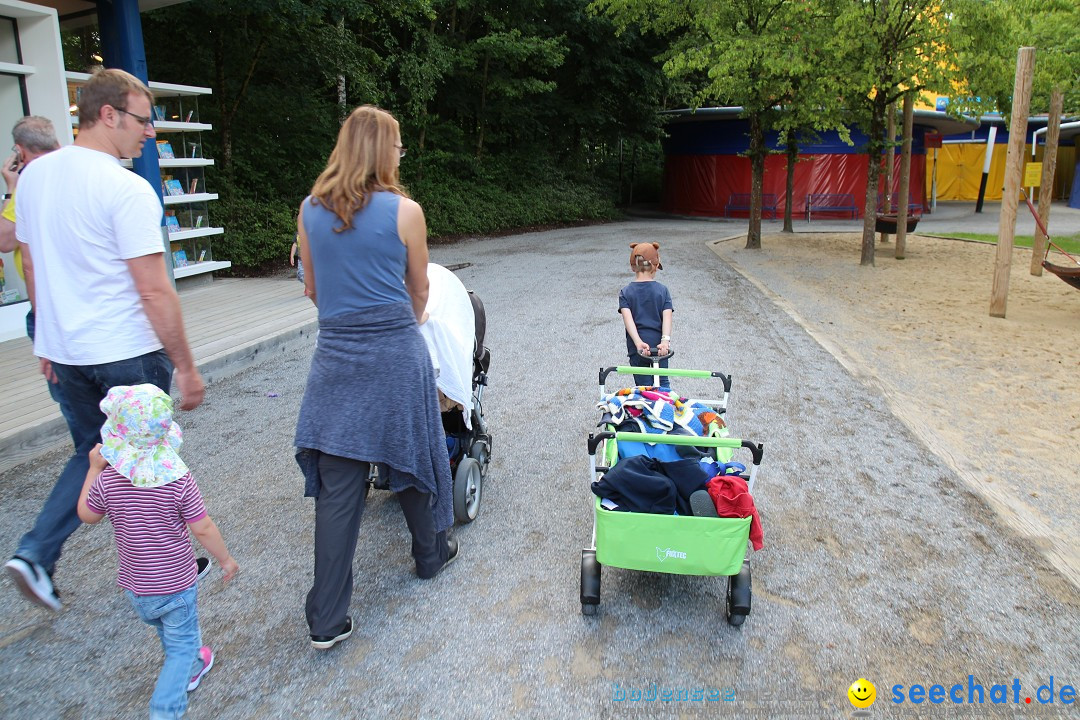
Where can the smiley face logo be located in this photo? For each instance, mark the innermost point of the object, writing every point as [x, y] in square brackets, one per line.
[862, 693]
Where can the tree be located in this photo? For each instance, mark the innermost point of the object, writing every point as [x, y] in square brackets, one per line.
[747, 54]
[892, 47]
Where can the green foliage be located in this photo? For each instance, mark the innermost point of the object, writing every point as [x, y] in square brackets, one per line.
[497, 197]
[258, 232]
[513, 112]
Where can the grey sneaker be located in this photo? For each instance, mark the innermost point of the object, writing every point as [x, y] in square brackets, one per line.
[702, 504]
[202, 567]
[33, 582]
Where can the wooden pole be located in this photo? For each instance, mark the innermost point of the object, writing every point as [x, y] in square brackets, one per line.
[890, 156]
[1046, 190]
[1014, 168]
[905, 177]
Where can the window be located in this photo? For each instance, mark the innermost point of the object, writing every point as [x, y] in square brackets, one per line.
[12, 107]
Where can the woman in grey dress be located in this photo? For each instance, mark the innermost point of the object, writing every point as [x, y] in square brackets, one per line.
[371, 394]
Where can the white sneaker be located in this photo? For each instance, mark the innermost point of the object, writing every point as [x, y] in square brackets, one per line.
[33, 582]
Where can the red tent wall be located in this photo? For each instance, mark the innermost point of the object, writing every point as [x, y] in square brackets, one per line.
[702, 184]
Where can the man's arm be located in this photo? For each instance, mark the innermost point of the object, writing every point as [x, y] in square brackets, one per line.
[162, 306]
[28, 274]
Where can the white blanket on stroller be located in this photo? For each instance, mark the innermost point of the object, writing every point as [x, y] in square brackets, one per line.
[450, 334]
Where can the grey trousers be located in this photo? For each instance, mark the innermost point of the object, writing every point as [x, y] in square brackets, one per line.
[338, 509]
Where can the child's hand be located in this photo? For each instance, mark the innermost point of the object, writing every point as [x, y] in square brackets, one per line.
[97, 462]
[228, 569]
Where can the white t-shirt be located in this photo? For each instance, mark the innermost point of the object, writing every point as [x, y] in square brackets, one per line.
[83, 215]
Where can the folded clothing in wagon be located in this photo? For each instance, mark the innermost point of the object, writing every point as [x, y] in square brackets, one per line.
[659, 411]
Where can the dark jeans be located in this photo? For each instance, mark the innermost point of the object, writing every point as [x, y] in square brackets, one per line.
[338, 509]
[83, 387]
[638, 361]
[54, 388]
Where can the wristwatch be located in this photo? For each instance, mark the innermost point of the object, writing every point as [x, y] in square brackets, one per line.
[665, 337]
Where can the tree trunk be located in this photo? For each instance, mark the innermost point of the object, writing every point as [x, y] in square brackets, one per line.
[483, 105]
[890, 157]
[905, 178]
[757, 175]
[1046, 189]
[343, 109]
[873, 174]
[789, 187]
[224, 124]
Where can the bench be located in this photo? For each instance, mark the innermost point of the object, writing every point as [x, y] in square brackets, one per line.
[740, 202]
[913, 208]
[831, 203]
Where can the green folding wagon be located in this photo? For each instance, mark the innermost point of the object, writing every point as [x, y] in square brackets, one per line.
[673, 544]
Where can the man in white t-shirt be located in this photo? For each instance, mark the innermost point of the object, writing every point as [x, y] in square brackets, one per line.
[107, 313]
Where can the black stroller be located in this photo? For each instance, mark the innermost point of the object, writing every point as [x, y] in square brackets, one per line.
[469, 447]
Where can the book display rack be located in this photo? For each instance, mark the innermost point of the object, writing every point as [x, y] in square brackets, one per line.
[183, 174]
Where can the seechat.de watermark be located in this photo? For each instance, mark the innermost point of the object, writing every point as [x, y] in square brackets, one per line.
[670, 693]
[974, 693]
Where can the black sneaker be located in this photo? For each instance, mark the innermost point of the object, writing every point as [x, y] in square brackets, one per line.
[451, 556]
[325, 642]
[451, 552]
[202, 567]
[33, 582]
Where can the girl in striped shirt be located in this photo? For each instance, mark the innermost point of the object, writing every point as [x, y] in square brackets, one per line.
[137, 478]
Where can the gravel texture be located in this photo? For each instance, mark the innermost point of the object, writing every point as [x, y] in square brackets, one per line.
[878, 562]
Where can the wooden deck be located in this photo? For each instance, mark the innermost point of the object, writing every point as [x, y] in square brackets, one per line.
[229, 322]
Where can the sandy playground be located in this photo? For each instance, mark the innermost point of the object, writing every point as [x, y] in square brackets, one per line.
[998, 399]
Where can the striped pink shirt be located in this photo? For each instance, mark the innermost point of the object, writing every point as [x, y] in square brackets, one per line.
[151, 535]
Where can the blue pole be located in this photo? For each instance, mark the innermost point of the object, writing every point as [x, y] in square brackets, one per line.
[122, 45]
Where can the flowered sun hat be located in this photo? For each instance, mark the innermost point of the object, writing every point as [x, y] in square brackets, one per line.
[139, 438]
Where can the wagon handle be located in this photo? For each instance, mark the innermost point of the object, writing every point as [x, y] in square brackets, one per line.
[757, 449]
[668, 372]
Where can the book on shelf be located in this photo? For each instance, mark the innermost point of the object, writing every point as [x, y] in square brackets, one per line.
[159, 112]
[179, 258]
[189, 114]
[198, 221]
[172, 223]
[164, 150]
[174, 187]
[193, 185]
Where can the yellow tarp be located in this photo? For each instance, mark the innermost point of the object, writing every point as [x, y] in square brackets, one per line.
[960, 166]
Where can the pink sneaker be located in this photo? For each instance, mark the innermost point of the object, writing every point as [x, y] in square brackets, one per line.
[207, 657]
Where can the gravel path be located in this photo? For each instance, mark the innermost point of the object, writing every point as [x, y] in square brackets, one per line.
[878, 562]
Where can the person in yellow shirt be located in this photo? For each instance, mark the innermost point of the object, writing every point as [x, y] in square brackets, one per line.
[34, 136]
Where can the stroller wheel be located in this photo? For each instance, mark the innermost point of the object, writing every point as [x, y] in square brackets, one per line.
[481, 453]
[467, 487]
[738, 595]
[590, 583]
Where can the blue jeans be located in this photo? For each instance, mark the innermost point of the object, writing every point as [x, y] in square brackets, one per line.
[176, 619]
[83, 387]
